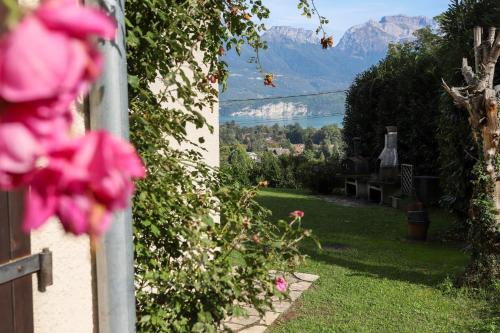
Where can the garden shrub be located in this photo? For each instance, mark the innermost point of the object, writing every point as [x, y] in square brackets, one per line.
[319, 176]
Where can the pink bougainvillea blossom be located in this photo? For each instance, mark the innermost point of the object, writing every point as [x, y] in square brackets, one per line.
[85, 181]
[297, 214]
[19, 152]
[281, 284]
[49, 58]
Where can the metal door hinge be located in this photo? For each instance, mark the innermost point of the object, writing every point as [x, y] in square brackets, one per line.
[40, 263]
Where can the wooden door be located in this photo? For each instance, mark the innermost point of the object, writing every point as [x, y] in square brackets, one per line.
[16, 297]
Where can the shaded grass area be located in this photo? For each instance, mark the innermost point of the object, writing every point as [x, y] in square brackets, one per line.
[372, 279]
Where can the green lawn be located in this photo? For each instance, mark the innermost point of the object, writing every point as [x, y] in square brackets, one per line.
[381, 282]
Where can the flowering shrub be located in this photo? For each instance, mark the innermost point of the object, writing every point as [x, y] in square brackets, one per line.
[47, 59]
[194, 269]
[203, 245]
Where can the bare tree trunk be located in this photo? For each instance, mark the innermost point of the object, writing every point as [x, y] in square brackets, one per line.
[480, 98]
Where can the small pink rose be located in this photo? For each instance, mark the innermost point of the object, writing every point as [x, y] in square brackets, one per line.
[19, 152]
[85, 181]
[25, 138]
[49, 58]
[297, 214]
[281, 284]
[80, 214]
[76, 20]
[46, 129]
[112, 163]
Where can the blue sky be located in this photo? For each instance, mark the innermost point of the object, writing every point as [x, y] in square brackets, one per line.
[346, 13]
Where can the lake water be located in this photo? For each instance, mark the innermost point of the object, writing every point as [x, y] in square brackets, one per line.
[313, 121]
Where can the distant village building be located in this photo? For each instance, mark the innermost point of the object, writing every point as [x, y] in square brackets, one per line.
[279, 151]
[298, 149]
[253, 156]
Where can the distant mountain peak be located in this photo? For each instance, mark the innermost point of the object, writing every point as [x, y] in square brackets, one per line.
[285, 33]
[374, 36]
[301, 66]
[404, 19]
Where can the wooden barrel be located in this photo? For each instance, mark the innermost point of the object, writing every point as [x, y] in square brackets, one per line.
[418, 225]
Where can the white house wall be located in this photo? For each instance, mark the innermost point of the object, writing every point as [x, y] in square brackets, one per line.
[210, 148]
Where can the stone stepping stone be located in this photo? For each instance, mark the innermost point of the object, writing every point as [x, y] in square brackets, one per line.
[255, 329]
[306, 277]
[253, 323]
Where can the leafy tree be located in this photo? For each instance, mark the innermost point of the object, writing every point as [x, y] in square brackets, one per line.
[328, 132]
[326, 148]
[309, 155]
[295, 133]
[240, 165]
[269, 169]
[309, 145]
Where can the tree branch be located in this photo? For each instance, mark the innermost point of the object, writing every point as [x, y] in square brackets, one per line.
[455, 93]
[478, 34]
[494, 54]
[495, 50]
[468, 73]
[491, 36]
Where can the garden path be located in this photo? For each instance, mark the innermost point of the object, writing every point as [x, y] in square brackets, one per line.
[344, 201]
[253, 323]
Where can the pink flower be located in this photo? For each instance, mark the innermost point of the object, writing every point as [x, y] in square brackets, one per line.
[45, 62]
[46, 130]
[76, 20]
[49, 59]
[19, 153]
[297, 214]
[24, 140]
[281, 284]
[85, 181]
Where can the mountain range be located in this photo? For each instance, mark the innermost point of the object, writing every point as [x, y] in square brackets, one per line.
[301, 66]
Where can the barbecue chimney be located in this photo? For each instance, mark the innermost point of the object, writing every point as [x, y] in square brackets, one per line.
[389, 163]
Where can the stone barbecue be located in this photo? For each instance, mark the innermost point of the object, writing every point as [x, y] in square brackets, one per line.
[380, 185]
